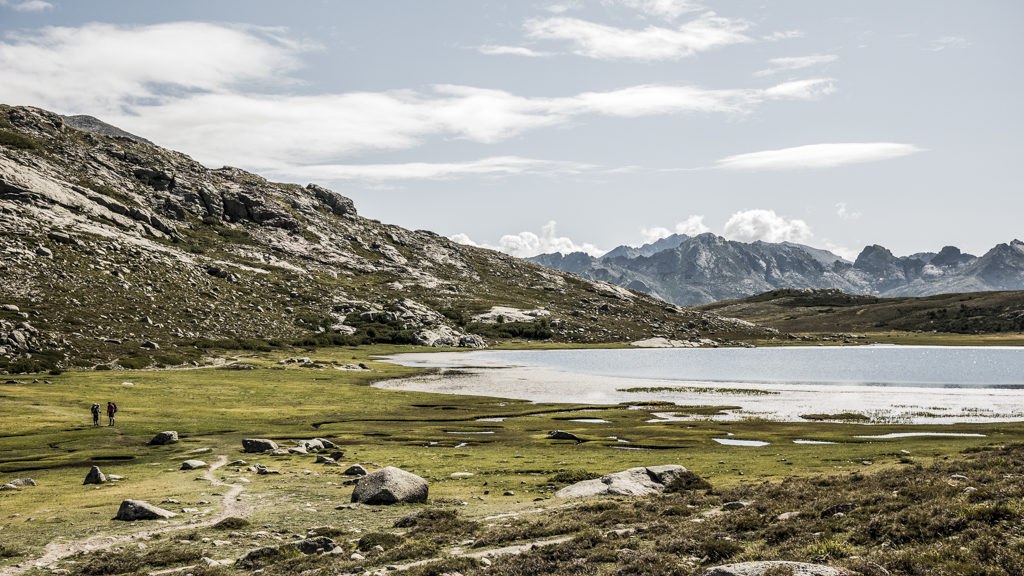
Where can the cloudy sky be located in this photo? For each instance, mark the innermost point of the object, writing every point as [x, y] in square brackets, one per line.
[539, 126]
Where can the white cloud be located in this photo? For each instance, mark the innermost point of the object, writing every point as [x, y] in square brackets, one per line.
[817, 156]
[842, 251]
[654, 234]
[526, 244]
[845, 213]
[497, 50]
[603, 42]
[667, 9]
[783, 35]
[940, 44]
[226, 95]
[692, 226]
[493, 166]
[767, 226]
[792, 63]
[563, 7]
[27, 5]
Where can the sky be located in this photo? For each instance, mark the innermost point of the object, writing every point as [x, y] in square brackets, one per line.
[561, 125]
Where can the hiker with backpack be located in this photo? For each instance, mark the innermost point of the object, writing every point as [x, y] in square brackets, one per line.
[95, 414]
[111, 410]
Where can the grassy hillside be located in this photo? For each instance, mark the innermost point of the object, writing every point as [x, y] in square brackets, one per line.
[997, 314]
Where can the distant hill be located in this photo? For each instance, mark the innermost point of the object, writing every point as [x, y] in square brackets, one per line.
[708, 268]
[832, 311]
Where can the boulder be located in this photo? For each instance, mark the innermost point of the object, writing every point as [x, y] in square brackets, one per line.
[775, 567]
[256, 445]
[8, 487]
[313, 445]
[327, 444]
[321, 459]
[355, 470]
[95, 476]
[132, 510]
[314, 545]
[164, 438]
[641, 481]
[390, 486]
[193, 464]
[563, 435]
[20, 482]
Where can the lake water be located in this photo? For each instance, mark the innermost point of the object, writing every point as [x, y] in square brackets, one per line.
[885, 383]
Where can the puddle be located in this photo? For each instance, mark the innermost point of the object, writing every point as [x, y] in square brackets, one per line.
[591, 420]
[629, 448]
[913, 434]
[490, 420]
[813, 442]
[461, 445]
[734, 442]
[469, 432]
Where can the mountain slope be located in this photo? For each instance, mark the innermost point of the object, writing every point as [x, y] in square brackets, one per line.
[832, 311]
[708, 268]
[115, 248]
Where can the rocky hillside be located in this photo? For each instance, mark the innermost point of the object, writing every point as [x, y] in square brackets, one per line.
[116, 249]
[709, 268]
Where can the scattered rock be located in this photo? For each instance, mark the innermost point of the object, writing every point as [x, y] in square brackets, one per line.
[730, 506]
[164, 438]
[297, 450]
[132, 510]
[390, 485]
[774, 567]
[355, 470]
[958, 477]
[8, 487]
[44, 252]
[838, 509]
[315, 545]
[237, 463]
[263, 470]
[563, 435]
[633, 482]
[193, 464]
[321, 459]
[313, 445]
[23, 482]
[150, 345]
[95, 476]
[256, 445]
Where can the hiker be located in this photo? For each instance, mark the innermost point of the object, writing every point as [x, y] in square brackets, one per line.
[95, 414]
[111, 410]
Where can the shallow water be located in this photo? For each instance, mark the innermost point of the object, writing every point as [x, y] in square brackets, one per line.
[893, 384]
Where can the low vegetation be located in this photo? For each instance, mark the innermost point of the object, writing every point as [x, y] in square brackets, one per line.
[898, 500]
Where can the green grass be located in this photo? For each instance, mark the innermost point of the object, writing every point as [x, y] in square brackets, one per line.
[45, 433]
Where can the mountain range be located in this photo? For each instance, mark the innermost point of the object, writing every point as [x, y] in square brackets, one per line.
[707, 268]
[119, 253]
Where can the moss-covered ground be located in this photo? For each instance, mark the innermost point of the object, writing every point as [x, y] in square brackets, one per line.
[508, 465]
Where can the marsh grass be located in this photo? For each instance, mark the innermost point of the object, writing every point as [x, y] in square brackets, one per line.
[46, 434]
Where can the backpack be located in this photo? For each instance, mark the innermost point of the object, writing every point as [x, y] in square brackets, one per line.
[114, 404]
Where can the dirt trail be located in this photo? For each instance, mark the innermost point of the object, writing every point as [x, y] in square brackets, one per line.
[231, 505]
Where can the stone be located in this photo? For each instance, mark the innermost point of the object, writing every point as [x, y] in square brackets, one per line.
[313, 445]
[263, 470]
[193, 464]
[44, 252]
[256, 445]
[164, 438]
[132, 510]
[355, 470]
[736, 505]
[563, 435]
[390, 485]
[838, 509]
[150, 345]
[315, 545]
[327, 444]
[8, 487]
[95, 476]
[321, 459]
[639, 481]
[774, 567]
[297, 450]
[10, 308]
[23, 482]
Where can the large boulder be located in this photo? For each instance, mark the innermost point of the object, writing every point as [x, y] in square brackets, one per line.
[641, 481]
[193, 464]
[563, 435]
[390, 486]
[21, 482]
[775, 567]
[164, 438]
[132, 510]
[257, 445]
[95, 476]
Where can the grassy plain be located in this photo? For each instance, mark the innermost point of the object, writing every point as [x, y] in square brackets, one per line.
[46, 434]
